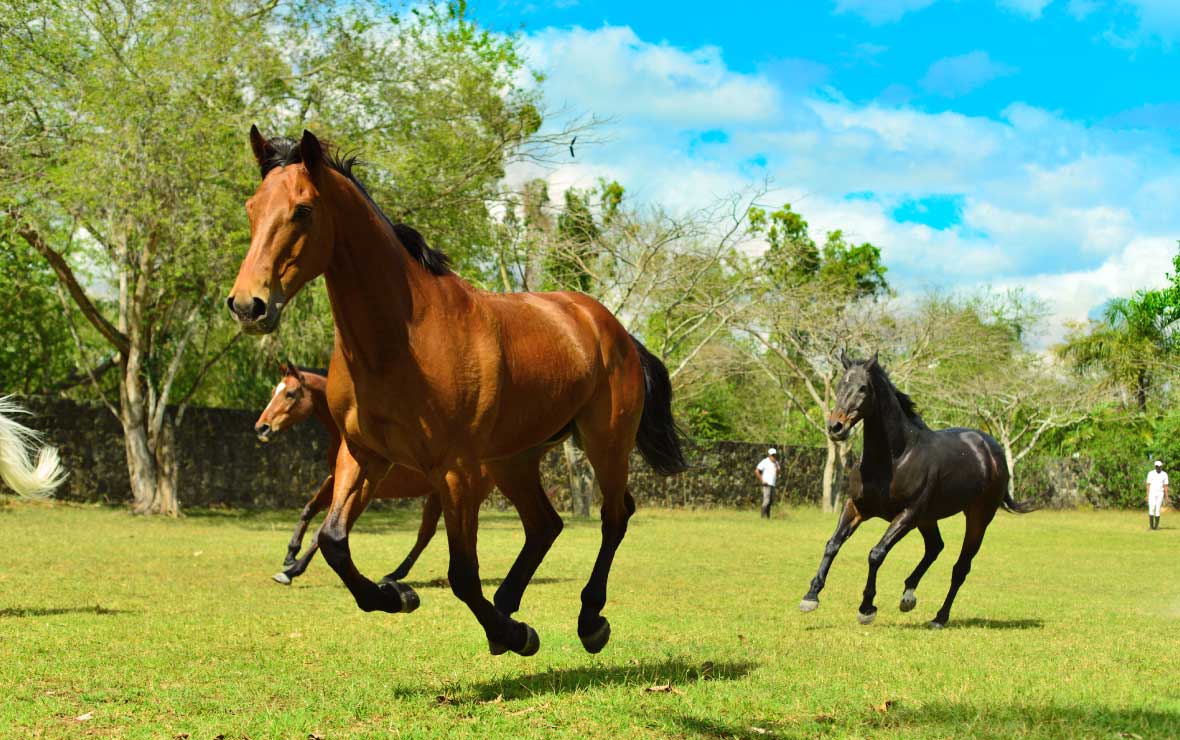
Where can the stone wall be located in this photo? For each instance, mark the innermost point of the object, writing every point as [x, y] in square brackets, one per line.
[223, 464]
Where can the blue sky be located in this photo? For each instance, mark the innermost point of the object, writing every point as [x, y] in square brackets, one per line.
[1031, 143]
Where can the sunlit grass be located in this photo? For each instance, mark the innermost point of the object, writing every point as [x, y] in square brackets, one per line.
[153, 628]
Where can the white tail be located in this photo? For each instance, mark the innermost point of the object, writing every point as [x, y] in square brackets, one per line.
[17, 444]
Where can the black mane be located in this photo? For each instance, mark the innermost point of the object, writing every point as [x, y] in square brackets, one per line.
[285, 151]
[908, 407]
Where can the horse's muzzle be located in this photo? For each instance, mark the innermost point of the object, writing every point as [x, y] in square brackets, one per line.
[840, 427]
[255, 315]
[264, 432]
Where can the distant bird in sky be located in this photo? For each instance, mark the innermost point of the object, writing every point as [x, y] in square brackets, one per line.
[572, 146]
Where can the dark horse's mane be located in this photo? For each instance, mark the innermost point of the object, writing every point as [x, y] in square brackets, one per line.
[286, 151]
[908, 407]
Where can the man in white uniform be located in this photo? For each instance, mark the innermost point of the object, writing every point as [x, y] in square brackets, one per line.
[767, 472]
[1157, 493]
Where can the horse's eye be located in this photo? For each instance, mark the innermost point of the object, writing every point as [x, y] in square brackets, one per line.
[302, 211]
[291, 394]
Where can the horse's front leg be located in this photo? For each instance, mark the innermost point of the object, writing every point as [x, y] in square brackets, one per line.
[898, 528]
[460, 494]
[293, 565]
[350, 495]
[850, 519]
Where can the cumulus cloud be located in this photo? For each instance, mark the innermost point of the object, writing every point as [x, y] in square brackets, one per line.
[881, 11]
[1074, 211]
[959, 75]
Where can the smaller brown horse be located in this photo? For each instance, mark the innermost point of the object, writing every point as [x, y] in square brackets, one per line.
[299, 396]
[912, 476]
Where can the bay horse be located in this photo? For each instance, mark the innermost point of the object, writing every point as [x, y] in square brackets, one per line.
[299, 396]
[18, 444]
[431, 373]
[911, 476]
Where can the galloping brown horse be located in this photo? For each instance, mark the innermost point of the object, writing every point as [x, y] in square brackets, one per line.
[433, 374]
[301, 395]
[912, 476]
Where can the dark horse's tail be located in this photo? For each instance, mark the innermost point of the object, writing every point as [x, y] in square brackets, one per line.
[659, 439]
[1018, 507]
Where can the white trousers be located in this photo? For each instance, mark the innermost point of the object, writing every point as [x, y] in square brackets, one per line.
[1154, 502]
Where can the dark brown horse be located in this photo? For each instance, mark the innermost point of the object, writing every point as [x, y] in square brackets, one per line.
[301, 395]
[433, 374]
[912, 476]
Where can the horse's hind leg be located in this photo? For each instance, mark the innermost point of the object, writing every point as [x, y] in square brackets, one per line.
[520, 481]
[431, 511]
[850, 519]
[934, 545]
[898, 528]
[460, 503]
[977, 521]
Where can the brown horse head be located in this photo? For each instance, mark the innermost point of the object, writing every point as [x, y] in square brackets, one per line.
[854, 397]
[290, 404]
[290, 230]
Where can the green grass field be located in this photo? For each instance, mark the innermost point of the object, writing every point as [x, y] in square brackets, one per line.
[162, 629]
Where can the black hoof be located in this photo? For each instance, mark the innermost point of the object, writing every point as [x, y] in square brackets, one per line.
[532, 643]
[404, 598]
[936, 625]
[597, 640]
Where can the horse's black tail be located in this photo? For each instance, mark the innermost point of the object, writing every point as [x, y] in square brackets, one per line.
[659, 439]
[1018, 507]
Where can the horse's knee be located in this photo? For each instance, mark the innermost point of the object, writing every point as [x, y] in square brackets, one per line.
[464, 582]
[877, 556]
[936, 546]
[333, 542]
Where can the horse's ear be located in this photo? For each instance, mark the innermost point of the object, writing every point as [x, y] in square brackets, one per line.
[284, 368]
[295, 371]
[311, 152]
[873, 360]
[262, 148]
[847, 363]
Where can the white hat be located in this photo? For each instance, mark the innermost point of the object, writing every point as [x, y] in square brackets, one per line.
[1158, 464]
[772, 451]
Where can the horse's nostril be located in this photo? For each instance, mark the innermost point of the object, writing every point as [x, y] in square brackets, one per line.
[229, 303]
[257, 309]
[835, 426]
[262, 428]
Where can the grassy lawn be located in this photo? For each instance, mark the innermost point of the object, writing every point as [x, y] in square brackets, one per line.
[150, 628]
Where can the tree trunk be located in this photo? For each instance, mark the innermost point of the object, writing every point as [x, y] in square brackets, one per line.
[830, 495]
[151, 459]
[580, 488]
[1141, 384]
[1011, 468]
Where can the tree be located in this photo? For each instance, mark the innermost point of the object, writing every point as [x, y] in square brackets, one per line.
[123, 163]
[809, 303]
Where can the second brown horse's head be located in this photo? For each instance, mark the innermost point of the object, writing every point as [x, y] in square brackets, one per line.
[854, 397]
[290, 404]
[290, 230]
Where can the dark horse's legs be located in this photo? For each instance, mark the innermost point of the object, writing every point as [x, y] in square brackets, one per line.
[850, 519]
[977, 522]
[321, 499]
[934, 545]
[461, 498]
[431, 511]
[898, 528]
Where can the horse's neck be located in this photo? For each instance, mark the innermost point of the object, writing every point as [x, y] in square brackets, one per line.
[375, 288]
[888, 432]
[317, 390]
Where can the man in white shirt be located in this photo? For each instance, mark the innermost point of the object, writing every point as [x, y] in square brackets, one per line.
[767, 472]
[1157, 493]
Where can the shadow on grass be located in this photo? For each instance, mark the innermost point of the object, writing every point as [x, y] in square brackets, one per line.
[954, 719]
[444, 583]
[18, 611]
[986, 624]
[380, 518]
[672, 672]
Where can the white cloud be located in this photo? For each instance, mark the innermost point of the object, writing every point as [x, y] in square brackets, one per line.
[1030, 8]
[959, 75]
[1048, 203]
[611, 68]
[881, 11]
